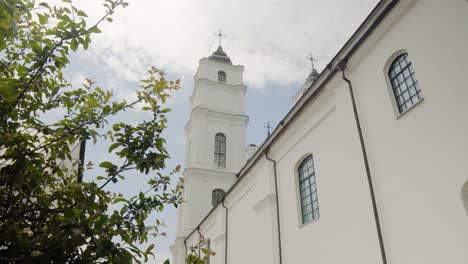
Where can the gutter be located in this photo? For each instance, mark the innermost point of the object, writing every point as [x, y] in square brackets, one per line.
[226, 231]
[342, 67]
[280, 252]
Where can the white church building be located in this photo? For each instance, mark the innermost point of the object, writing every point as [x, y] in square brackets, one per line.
[369, 166]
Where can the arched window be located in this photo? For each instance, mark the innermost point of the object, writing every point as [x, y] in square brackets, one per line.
[465, 196]
[216, 196]
[405, 86]
[221, 76]
[308, 191]
[220, 151]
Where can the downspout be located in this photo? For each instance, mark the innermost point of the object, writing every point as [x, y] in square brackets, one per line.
[277, 205]
[226, 232]
[185, 245]
[341, 66]
[199, 241]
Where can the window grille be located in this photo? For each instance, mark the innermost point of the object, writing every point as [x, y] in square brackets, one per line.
[216, 196]
[405, 86]
[221, 76]
[220, 151]
[308, 191]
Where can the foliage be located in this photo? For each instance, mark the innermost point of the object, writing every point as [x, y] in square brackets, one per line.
[46, 214]
[200, 253]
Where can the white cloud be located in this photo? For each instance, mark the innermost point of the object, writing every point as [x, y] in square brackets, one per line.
[271, 38]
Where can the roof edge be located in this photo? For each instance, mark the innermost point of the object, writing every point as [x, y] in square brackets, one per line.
[364, 30]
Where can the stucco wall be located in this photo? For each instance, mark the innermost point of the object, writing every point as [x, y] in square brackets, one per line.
[419, 159]
[325, 129]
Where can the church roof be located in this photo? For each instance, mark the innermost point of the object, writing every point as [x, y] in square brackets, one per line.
[220, 56]
[313, 75]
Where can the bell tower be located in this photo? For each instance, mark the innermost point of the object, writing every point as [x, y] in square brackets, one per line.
[215, 138]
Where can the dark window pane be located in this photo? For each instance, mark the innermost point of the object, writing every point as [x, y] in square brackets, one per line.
[220, 150]
[404, 83]
[307, 189]
[216, 196]
[316, 214]
[221, 76]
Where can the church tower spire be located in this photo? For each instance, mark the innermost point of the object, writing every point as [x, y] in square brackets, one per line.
[215, 141]
[313, 76]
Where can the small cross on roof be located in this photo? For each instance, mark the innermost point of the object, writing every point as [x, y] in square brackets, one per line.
[312, 59]
[220, 35]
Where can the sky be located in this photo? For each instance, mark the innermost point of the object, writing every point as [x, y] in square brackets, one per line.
[270, 38]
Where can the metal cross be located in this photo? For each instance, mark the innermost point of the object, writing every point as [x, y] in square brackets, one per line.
[220, 35]
[312, 59]
[268, 127]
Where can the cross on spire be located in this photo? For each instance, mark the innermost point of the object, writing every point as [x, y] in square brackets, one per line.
[220, 36]
[312, 59]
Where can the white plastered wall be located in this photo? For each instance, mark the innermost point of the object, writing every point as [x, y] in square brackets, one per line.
[419, 159]
[345, 231]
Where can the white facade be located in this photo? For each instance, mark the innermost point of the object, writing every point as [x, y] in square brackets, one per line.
[418, 160]
[217, 108]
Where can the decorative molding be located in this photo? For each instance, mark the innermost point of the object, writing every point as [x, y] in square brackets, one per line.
[216, 113]
[208, 225]
[193, 173]
[237, 198]
[204, 82]
[267, 200]
[207, 112]
[220, 238]
[237, 67]
[200, 81]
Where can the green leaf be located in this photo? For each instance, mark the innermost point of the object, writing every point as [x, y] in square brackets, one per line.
[106, 164]
[113, 146]
[42, 18]
[68, 212]
[95, 30]
[82, 14]
[120, 199]
[44, 5]
[74, 44]
[148, 250]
